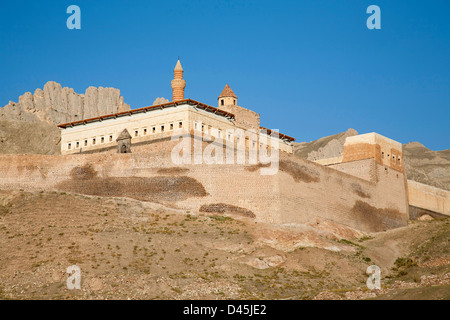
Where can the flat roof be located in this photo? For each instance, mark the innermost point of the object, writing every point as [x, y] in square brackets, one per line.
[191, 102]
[282, 136]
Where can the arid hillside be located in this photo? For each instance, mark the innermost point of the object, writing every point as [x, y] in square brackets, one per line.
[20, 137]
[427, 166]
[326, 147]
[421, 164]
[142, 250]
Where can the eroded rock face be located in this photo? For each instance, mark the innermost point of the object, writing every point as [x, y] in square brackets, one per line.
[56, 104]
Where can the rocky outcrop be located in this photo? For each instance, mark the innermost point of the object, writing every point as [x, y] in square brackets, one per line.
[323, 148]
[160, 101]
[57, 105]
[427, 166]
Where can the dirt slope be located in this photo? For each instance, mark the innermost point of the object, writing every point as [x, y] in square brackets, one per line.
[20, 137]
[141, 250]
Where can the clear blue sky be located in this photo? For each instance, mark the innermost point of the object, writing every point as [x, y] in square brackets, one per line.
[310, 68]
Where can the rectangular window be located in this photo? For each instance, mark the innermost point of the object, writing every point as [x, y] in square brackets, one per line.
[78, 144]
[203, 127]
[110, 138]
[229, 136]
[154, 129]
[180, 124]
[171, 126]
[103, 140]
[69, 146]
[145, 132]
[136, 133]
[85, 143]
[93, 141]
[162, 128]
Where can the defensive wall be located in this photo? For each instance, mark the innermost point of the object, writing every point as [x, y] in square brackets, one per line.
[365, 154]
[426, 197]
[301, 191]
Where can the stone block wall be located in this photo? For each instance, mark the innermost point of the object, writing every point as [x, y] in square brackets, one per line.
[427, 197]
[301, 191]
[244, 118]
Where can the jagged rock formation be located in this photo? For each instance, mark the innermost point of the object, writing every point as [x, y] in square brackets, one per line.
[323, 148]
[421, 164]
[57, 105]
[29, 126]
[160, 101]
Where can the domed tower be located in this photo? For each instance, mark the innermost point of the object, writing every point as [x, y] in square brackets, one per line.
[227, 97]
[178, 84]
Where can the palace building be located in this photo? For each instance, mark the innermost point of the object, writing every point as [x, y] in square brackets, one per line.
[147, 129]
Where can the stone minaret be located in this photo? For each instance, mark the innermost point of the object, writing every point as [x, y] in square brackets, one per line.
[178, 84]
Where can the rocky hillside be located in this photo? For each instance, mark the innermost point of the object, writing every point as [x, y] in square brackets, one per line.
[29, 126]
[326, 147]
[20, 137]
[427, 166]
[421, 164]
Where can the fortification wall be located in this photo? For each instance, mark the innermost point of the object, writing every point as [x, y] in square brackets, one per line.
[301, 191]
[244, 118]
[364, 169]
[427, 197]
[385, 151]
[337, 196]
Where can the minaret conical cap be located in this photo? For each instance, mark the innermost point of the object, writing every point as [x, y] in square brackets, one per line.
[227, 92]
[178, 66]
